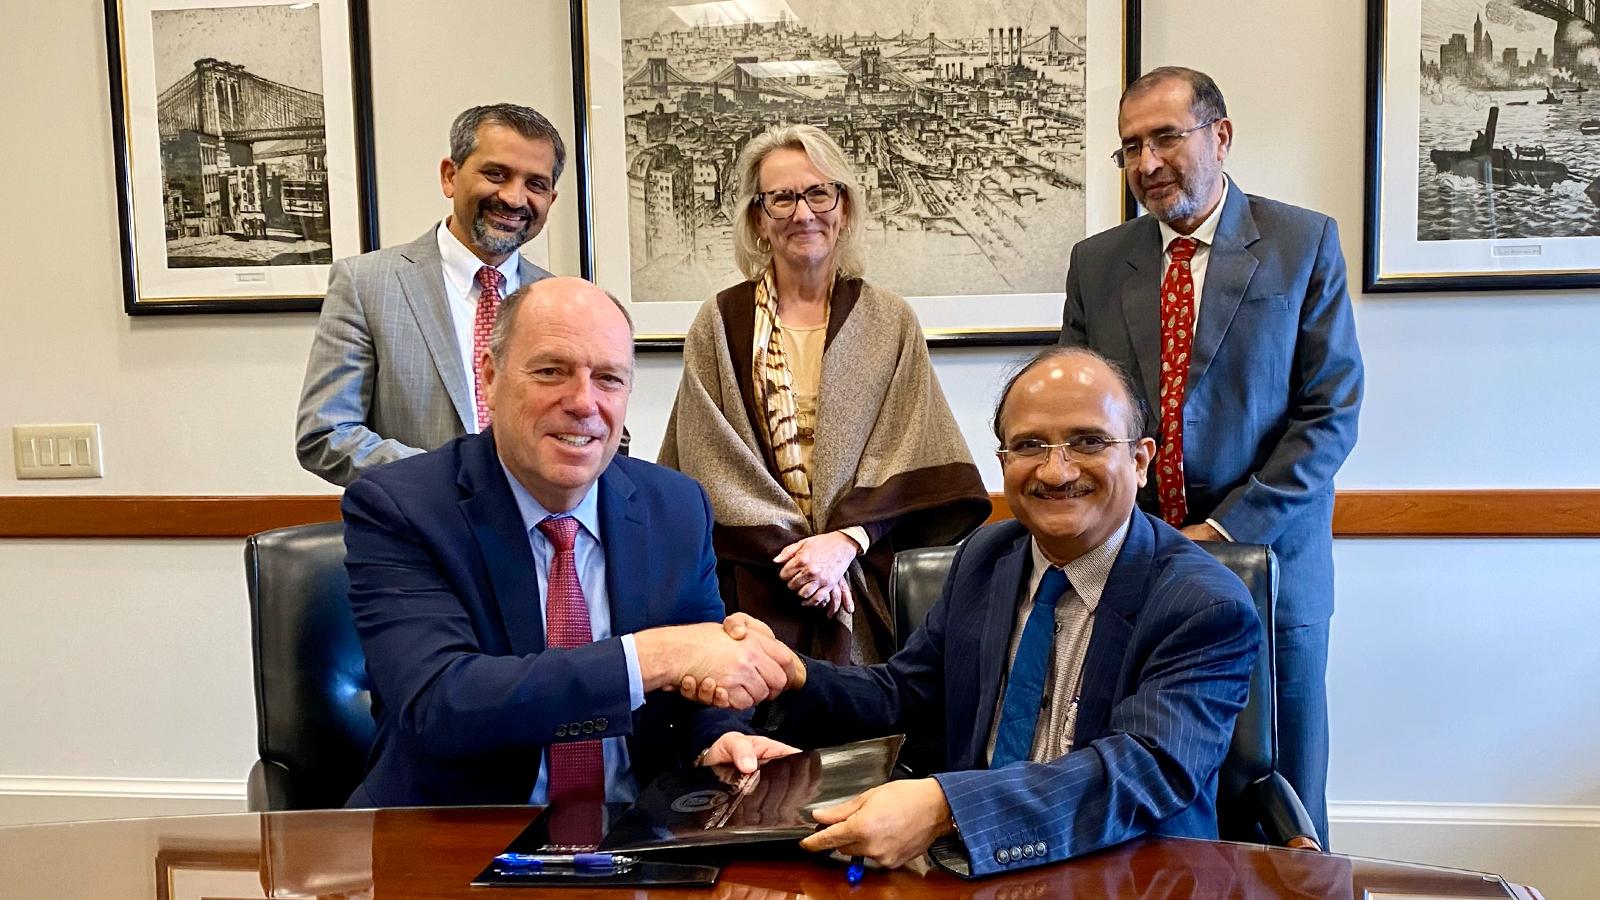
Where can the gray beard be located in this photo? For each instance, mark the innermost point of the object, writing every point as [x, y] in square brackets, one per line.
[495, 241]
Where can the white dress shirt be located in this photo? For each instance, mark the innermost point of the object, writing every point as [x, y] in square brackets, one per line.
[590, 559]
[461, 289]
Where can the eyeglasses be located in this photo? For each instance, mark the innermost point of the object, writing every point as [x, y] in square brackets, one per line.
[1082, 446]
[781, 204]
[1159, 144]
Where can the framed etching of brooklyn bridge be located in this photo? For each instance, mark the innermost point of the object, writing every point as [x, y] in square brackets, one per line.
[982, 131]
[1483, 145]
[244, 150]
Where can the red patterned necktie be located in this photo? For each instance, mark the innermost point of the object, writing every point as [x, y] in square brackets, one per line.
[1177, 337]
[577, 768]
[491, 281]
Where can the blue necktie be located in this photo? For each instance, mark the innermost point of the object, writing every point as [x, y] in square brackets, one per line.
[1019, 714]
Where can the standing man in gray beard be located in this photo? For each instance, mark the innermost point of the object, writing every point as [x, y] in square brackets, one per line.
[393, 367]
[1231, 310]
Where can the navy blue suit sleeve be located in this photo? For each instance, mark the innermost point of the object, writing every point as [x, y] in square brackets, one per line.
[1326, 381]
[449, 695]
[1166, 742]
[840, 704]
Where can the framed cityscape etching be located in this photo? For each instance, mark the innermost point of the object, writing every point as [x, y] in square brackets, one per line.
[1483, 145]
[982, 129]
[244, 150]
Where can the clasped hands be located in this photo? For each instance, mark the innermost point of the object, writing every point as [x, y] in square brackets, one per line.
[816, 569]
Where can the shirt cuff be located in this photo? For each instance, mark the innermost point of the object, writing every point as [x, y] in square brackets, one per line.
[859, 535]
[635, 679]
[1220, 530]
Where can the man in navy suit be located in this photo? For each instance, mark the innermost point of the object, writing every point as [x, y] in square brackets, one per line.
[1086, 661]
[523, 594]
[1231, 310]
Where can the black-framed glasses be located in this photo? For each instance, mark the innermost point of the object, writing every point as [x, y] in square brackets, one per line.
[781, 204]
[1080, 446]
[1159, 144]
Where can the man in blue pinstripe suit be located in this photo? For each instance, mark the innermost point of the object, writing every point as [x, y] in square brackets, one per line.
[1077, 712]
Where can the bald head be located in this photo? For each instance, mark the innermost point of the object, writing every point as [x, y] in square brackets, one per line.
[553, 293]
[1088, 363]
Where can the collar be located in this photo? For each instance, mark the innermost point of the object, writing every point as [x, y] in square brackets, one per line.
[1206, 233]
[461, 265]
[1088, 573]
[587, 512]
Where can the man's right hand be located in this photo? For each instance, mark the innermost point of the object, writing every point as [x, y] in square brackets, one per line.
[744, 672]
[737, 626]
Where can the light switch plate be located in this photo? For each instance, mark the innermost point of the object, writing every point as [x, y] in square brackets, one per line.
[57, 451]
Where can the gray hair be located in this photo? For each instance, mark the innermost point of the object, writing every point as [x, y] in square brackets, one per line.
[505, 323]
[524, 120]
[1138, 420]
[830, 161]
[1207, 102]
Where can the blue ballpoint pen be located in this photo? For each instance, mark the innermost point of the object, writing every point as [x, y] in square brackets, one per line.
[565, 860]
[856, 871]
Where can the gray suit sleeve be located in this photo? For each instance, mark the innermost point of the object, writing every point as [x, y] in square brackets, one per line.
[332, 439]
[1073, 331]
[1321, 429]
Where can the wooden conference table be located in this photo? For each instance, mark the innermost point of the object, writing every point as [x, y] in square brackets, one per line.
[430, 853]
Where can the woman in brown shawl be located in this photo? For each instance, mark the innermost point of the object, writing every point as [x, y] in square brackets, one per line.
[811, 413]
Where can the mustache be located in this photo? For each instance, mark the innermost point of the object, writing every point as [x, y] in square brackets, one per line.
[496, 205]
[1048, 491]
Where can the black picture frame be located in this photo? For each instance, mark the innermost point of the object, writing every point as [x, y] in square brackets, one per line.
[343, 215]
[583, 57]
[1396, 256]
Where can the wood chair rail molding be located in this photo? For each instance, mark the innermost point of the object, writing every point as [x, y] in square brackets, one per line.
[1357, 514]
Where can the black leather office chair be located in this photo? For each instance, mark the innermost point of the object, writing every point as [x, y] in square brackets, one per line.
[1254, 801]
[313, 701]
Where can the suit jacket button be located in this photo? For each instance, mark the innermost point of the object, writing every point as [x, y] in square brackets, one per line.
[1039, 848]
[561, 731]
[1027, 851]
[1002, 856]
[588, 727]
[600, 723]
[1016, 852]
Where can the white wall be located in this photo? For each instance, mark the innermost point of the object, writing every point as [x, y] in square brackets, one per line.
[1462, 675]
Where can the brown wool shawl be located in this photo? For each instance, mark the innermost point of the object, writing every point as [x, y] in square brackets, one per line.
[888, 456]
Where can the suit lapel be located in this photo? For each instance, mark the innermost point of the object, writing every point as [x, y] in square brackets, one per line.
[1228, 274]
[1141, 303]
[496, 524]
[1114, 619]
[624, 539]
[423, 286]
[994, 644]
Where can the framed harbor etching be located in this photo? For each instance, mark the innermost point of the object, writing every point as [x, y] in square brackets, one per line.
[982, 130]
[243, 150]
[1483, 145]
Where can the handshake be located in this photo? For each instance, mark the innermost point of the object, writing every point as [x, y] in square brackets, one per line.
[736, 663]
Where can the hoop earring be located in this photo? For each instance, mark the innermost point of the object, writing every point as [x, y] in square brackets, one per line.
[763, 245]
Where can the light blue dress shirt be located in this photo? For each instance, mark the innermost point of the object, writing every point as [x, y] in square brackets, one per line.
[590, 559]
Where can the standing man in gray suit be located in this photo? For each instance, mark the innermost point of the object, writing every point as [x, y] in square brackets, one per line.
[1233, 314]
[393, 367]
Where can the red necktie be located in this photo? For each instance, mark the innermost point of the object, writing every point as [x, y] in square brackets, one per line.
[491, 281]
[1177, 336]
[577, 768]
